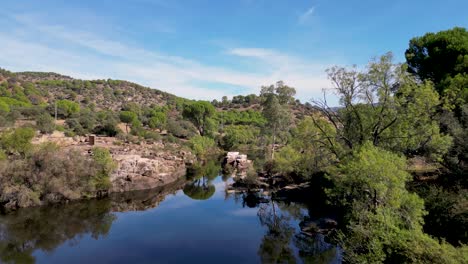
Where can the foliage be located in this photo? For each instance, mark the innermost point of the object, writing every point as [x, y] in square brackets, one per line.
[384, 219]
[202, 146]
[308, 152]
[276, 111]
[235, 136]
[387, 106]
[45, 123]
[438, 56]
[181, 128]
[66, 108]
[199, 113]
[236, 117]
[104, 167]
[158, 120]
[51, 174]
[17, 141]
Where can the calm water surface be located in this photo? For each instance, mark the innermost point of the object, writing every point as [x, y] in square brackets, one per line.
[181, 223]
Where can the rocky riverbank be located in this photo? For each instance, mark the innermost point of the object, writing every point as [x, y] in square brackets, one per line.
[81, 167]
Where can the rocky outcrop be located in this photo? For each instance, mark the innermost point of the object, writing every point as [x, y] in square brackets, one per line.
[143, 169]
[236, 164]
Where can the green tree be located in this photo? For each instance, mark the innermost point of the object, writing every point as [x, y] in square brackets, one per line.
[438, 56]
[387, 106]
[104, 165]
[45, 123]
[308, 151]
[128, 117]
[199, 113]
[202, 146]
[384, 220]
[17, 141]
[278, 118]
[158, 120]
[66, 108]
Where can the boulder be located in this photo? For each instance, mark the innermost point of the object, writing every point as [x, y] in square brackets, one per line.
[135, 172]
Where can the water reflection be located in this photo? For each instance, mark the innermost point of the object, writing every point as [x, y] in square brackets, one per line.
[45, 228]
[275, 246]
[283, 242]
[202, 175]
[272, 233]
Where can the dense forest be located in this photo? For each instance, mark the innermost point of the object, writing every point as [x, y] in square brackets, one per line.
[392, 158]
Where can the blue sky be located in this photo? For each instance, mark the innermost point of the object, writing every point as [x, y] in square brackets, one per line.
[204, 49]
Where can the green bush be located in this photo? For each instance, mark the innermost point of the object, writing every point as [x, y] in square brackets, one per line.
[201, 146]
[17, 141]
[51, 174]
[181, 128]
[66, 108]
[104, 166]
[384, 220]
[45, 123]
[236, 135]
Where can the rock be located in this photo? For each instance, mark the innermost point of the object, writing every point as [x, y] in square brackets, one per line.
[239, 162]
[137, 172]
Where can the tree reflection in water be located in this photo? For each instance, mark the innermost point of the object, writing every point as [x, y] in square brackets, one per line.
[202, 175]
[283, 243]
[46, 228]
[275, 246]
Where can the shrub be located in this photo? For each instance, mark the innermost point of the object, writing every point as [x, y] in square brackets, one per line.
[181, 128]
[45, 123]
[201, 146]
[104, 166]
[17, 141]
[66, 108]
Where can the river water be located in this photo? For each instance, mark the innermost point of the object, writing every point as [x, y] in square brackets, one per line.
[181, 223]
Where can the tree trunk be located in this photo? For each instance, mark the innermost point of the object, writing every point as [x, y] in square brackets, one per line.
[273, 144]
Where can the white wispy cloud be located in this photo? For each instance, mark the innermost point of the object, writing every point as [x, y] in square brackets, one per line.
[304, 17]
[40, 46]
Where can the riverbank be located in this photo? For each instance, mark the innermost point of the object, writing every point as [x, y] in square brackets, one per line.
[62, 169]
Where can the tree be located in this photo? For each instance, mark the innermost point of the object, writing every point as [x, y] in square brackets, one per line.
[199, 113]
[17, 141]
[201, 146]
[278, 118]
[384, 219]
[308, 151]
[438, 56]
[104, 167]
[66, 107]
[285, 93]
[128, 117]
[45, 123]
[385, 105]
[158, 120]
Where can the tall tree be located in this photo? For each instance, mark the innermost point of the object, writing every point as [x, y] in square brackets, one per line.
[386, 106]
[442, 58]
[278, 117]
[199, 113]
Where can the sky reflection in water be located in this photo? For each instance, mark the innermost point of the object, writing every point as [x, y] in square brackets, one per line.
[178, 230]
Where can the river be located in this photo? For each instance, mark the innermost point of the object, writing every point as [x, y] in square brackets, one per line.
[180, 223]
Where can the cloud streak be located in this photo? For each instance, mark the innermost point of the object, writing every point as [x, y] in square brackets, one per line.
[304, 17]
[39, 46]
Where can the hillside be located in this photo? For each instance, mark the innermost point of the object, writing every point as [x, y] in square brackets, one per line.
[42, 87]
